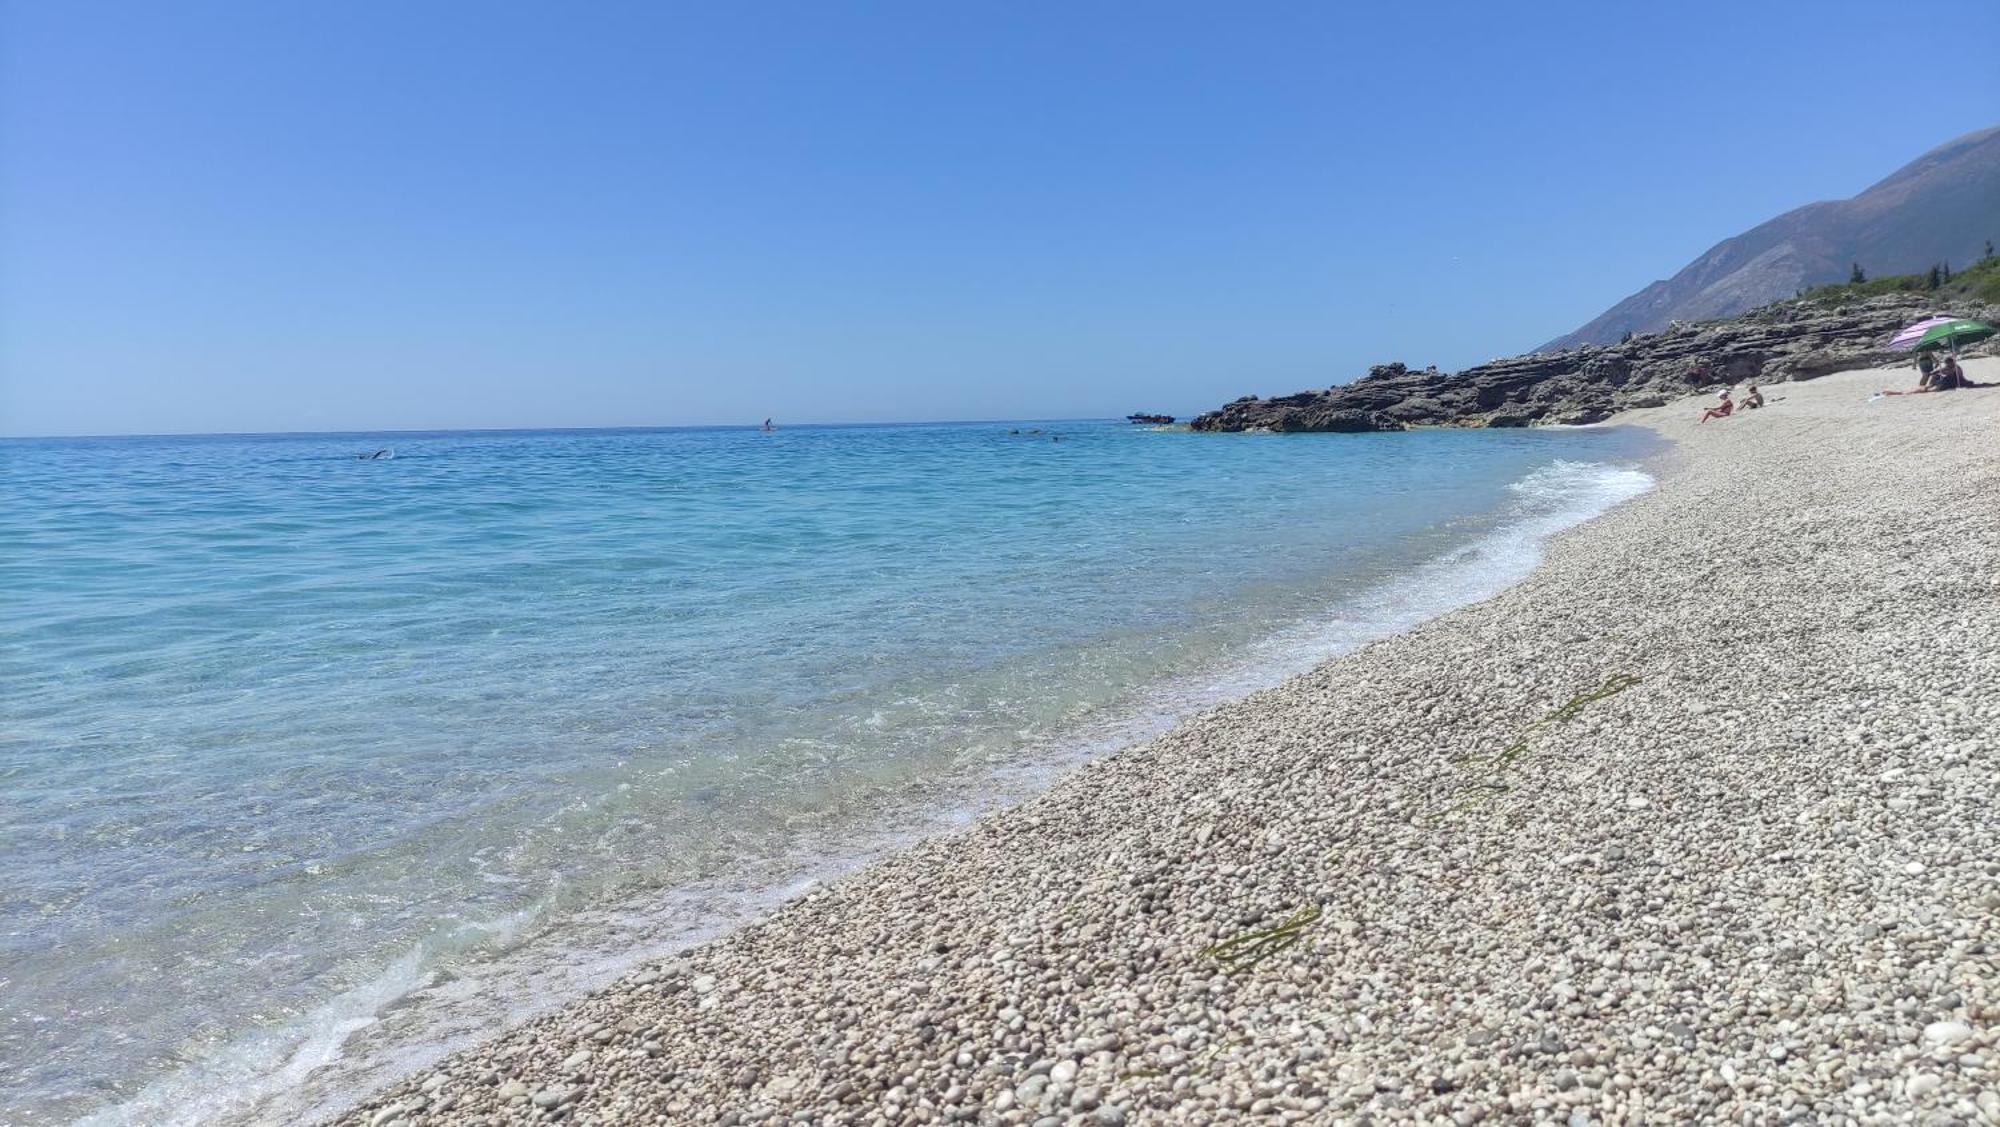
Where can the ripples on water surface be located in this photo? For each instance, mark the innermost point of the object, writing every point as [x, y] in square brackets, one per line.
[287, 734]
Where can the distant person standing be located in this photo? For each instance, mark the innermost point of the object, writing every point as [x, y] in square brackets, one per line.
[768, 428]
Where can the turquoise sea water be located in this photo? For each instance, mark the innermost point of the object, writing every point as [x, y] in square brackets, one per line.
[319, 763]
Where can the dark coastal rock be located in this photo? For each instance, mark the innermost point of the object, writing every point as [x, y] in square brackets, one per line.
[1787, 341]
[1823, 362]
[1579, 415]
[1415, 410]
[1339, 420]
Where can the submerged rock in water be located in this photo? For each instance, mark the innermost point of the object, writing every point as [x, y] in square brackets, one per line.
[1793, 340]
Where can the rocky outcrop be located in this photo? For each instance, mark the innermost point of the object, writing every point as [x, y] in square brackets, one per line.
[1790, 340]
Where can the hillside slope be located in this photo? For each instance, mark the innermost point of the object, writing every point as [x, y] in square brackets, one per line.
[1941, 207]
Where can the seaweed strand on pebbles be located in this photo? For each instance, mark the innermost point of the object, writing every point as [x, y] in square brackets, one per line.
[1477, 792]
[1244, 952]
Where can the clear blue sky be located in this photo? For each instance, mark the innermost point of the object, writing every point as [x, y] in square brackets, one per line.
[288, 216]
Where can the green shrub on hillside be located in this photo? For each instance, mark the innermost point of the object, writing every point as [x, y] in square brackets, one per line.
[1977, 282]
[1844, 293]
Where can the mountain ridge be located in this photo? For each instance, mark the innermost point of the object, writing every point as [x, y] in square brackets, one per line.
[1940, 207]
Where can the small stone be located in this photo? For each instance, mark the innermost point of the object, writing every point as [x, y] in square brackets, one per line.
[1111, 1115]
[385, 1115]
[1921, 1085]
[703, 984]
[1064, 1072]
[512, 1090]
[576, 1060]
[1947, 1032]
[553, 1097]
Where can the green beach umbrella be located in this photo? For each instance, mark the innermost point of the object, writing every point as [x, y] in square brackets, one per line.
[1951, 334]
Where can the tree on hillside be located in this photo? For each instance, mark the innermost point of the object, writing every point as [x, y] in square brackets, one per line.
[1934, 279]
[1856, 276]
[1945, 269]
[1989, 248]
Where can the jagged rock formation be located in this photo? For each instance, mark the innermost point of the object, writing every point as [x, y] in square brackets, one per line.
[1940, 207]
[1787, 341]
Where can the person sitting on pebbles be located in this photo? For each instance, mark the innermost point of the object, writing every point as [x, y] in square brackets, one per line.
[1945, 375]
[1721, 410]
[1752, 398]
[1949, 374]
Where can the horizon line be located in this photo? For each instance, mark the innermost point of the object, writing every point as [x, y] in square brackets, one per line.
[558, 430]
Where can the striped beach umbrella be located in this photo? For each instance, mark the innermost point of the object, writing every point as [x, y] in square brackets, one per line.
[1953, 333]
[1909, 335]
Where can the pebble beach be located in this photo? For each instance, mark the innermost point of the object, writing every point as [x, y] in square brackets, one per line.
[1700, 822]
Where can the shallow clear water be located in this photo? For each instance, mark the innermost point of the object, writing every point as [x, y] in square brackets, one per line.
[286, 734]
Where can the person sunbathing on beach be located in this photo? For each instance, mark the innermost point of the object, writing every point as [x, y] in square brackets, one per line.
[1720, 410]
[1752, 399]
[1950, 375]
[1945, 376]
